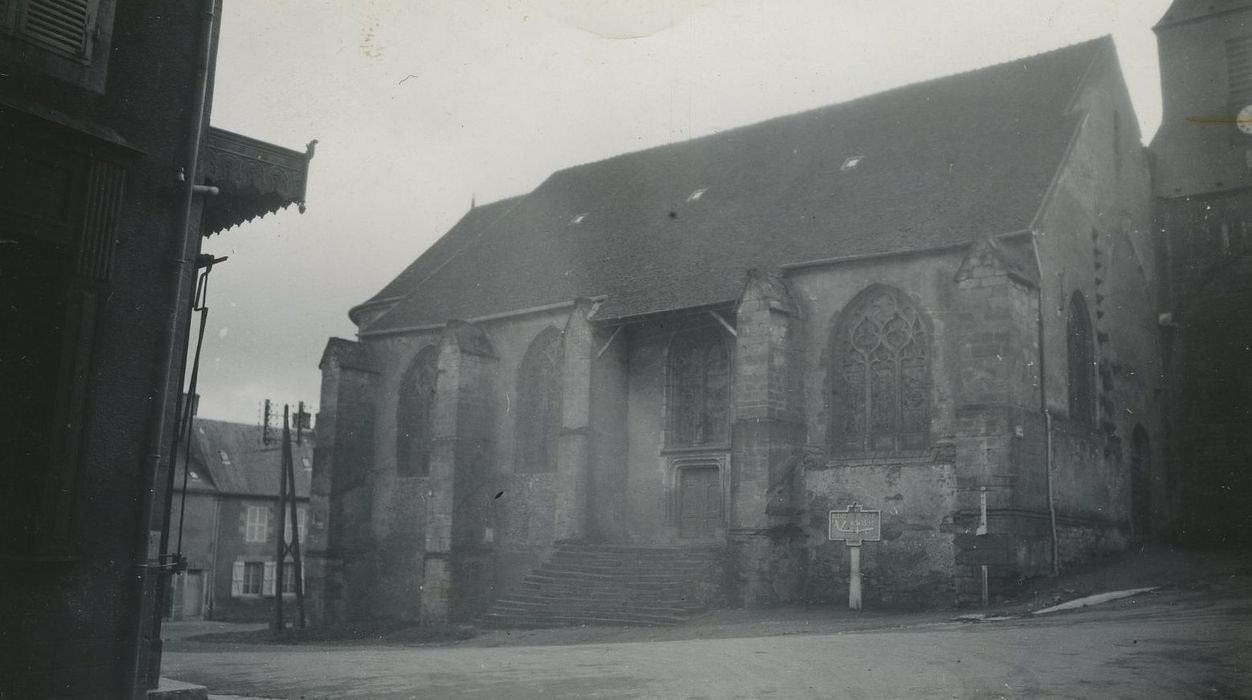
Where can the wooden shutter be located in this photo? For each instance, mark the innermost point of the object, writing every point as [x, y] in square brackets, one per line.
[6, 14]
[236, 580]
[63, 26]
[267, 587]
[1239, 69]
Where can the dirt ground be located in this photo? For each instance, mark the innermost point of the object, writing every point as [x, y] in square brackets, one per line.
[1175, 572]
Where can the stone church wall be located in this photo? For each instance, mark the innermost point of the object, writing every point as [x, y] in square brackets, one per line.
[917, 493]
[988, 439]
[1095, 238]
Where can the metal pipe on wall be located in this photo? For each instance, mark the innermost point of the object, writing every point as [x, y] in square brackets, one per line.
[1043, 404]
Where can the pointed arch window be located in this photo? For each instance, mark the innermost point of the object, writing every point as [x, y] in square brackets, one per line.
[539, 389]
[881, 352]
[413, 414]
[699, 389]
[1081, 362]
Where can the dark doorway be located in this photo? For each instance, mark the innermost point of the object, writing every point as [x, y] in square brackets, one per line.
[699, 502]
[1141, 485]
[193, 595]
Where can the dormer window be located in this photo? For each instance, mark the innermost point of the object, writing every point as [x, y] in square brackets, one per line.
[697, 194]
[225, 457]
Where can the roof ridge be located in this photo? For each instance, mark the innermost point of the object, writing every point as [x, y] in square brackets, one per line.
[1103, 38]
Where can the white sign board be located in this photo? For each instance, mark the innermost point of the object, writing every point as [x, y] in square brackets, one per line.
[853, 525]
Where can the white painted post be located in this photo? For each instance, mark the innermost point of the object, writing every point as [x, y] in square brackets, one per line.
[985, 597]
[854, 584]
[982, 530]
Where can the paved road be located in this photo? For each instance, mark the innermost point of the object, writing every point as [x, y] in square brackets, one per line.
[1142, 649]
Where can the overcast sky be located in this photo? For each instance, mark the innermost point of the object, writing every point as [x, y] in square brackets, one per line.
[420, 106]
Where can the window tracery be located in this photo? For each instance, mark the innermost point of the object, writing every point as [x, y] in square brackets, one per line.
[699, 389]
[539, 396]
[882, 374]
[413, 414]
[1081, 364]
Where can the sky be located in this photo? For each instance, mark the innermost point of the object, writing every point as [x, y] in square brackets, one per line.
[422, 106]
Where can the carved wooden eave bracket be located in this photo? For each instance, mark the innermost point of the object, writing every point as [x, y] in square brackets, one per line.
[253, 178]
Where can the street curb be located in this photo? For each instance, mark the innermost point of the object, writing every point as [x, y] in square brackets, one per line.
[1096, 599]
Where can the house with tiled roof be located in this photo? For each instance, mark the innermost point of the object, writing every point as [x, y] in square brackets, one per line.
[226, 519]
[644, 387]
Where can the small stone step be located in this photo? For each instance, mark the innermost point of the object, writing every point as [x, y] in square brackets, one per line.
[539, 621]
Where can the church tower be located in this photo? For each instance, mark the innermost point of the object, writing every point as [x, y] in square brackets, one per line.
[1202, 180]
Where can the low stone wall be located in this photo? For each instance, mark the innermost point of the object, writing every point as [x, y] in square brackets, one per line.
[913, 565]
[1083, 540]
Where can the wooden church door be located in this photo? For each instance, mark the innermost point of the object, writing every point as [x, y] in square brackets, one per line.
[699, 502]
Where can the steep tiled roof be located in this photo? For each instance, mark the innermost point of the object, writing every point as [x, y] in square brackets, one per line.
[464, 233]
[238, 463]
[1187, 10]
[941, 163]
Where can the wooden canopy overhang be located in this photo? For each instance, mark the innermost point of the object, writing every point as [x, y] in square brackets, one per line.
[253, 178]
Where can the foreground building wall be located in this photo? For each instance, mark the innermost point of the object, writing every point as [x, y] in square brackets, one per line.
[91, 219]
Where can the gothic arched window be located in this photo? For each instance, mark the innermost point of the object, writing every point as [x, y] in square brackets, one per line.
[413, 414]
[1081, 363]
[699, 389]
[881, 352]
[539, 388]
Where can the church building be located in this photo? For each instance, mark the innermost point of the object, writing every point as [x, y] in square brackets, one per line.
[949, 302]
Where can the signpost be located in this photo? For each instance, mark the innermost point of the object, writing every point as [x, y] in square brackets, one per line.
[853, 526]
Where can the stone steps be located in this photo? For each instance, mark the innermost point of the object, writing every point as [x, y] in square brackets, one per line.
[608, 585]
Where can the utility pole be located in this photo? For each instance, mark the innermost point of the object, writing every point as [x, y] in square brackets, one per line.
[287, 510]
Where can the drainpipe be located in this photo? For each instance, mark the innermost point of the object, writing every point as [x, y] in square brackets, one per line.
[183, 273]
[1043, 405]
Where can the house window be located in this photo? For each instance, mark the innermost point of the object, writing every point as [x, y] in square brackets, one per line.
[256, 524]
[1081, 364]
[881, 373]
[301, 519]
[253, 578]
[539, 402]
[699, 389]
[413, 414]
[289, 578]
